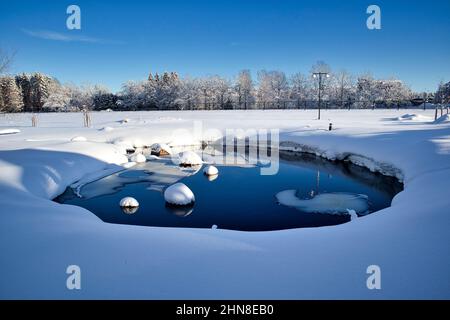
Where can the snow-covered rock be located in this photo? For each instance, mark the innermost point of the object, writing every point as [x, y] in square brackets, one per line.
[9, 131]
[327, 203]
[126, 120]
[78, 139]
[107, 129]
[138, 158]
[179, 194]
[211, 171]
[129, 202]
[161, 149]
[189, 158]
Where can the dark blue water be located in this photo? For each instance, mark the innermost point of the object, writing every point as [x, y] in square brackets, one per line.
[239, 199]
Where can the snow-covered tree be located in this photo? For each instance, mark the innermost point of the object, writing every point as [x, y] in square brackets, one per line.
[443, 93]
[273, 86]
[24, 82]
[188, 96]
[298, 87]
[12, 100]
[325, 79]
[220, 91]
[2, 104]
[41, 87]
[5, 60]
[366, 90]
[59, 99]
[166, 90]
[244, 88]
[342, 88]
[104, 101]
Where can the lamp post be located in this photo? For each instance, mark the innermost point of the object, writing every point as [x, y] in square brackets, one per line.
[320, 75]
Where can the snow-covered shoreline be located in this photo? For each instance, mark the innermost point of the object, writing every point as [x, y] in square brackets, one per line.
[41, 238]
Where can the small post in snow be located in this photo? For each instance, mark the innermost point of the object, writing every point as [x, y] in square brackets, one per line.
[86, 118]
[424, 101]
[330, 127]
[435, 114]
[34, 121]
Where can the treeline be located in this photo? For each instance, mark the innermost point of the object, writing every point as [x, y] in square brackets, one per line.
[271, 89]
[38, 92]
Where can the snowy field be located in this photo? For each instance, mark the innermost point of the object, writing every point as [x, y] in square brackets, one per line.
[40, 238]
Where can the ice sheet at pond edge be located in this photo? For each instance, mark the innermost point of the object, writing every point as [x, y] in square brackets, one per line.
[159, 174]
[327, 203]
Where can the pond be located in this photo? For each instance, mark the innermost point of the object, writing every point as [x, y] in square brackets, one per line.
[240, 198]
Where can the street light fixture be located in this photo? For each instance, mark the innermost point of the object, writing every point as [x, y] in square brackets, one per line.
[320, 75]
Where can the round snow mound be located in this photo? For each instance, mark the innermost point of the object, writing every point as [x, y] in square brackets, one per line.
[189, 158]
[211, 171]
[413, 117]
[79, 139]
[129, 202]
[179, 194]
[138, 158]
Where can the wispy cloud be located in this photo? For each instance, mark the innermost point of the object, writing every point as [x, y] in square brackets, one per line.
[56, 36]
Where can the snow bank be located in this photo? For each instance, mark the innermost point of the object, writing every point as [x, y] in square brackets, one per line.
[9, 131]
[332, 154]
[78, 139]
[443, 119]
[179, 194]
[326, 203]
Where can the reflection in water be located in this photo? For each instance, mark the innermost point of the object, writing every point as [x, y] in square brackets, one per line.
[130, 210]
[180, 211]
[212, 178]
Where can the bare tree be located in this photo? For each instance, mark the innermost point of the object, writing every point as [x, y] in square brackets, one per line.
[5, 60]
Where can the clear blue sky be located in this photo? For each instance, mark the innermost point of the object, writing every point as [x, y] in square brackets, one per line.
[124, 40]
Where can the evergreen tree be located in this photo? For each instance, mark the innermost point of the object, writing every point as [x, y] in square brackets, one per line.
[40, 86]
[2, 105]
[11, 95]
[24, 83]
[104, 100]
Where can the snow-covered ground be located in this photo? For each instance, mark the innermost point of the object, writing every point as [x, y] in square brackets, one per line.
[40, 238]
